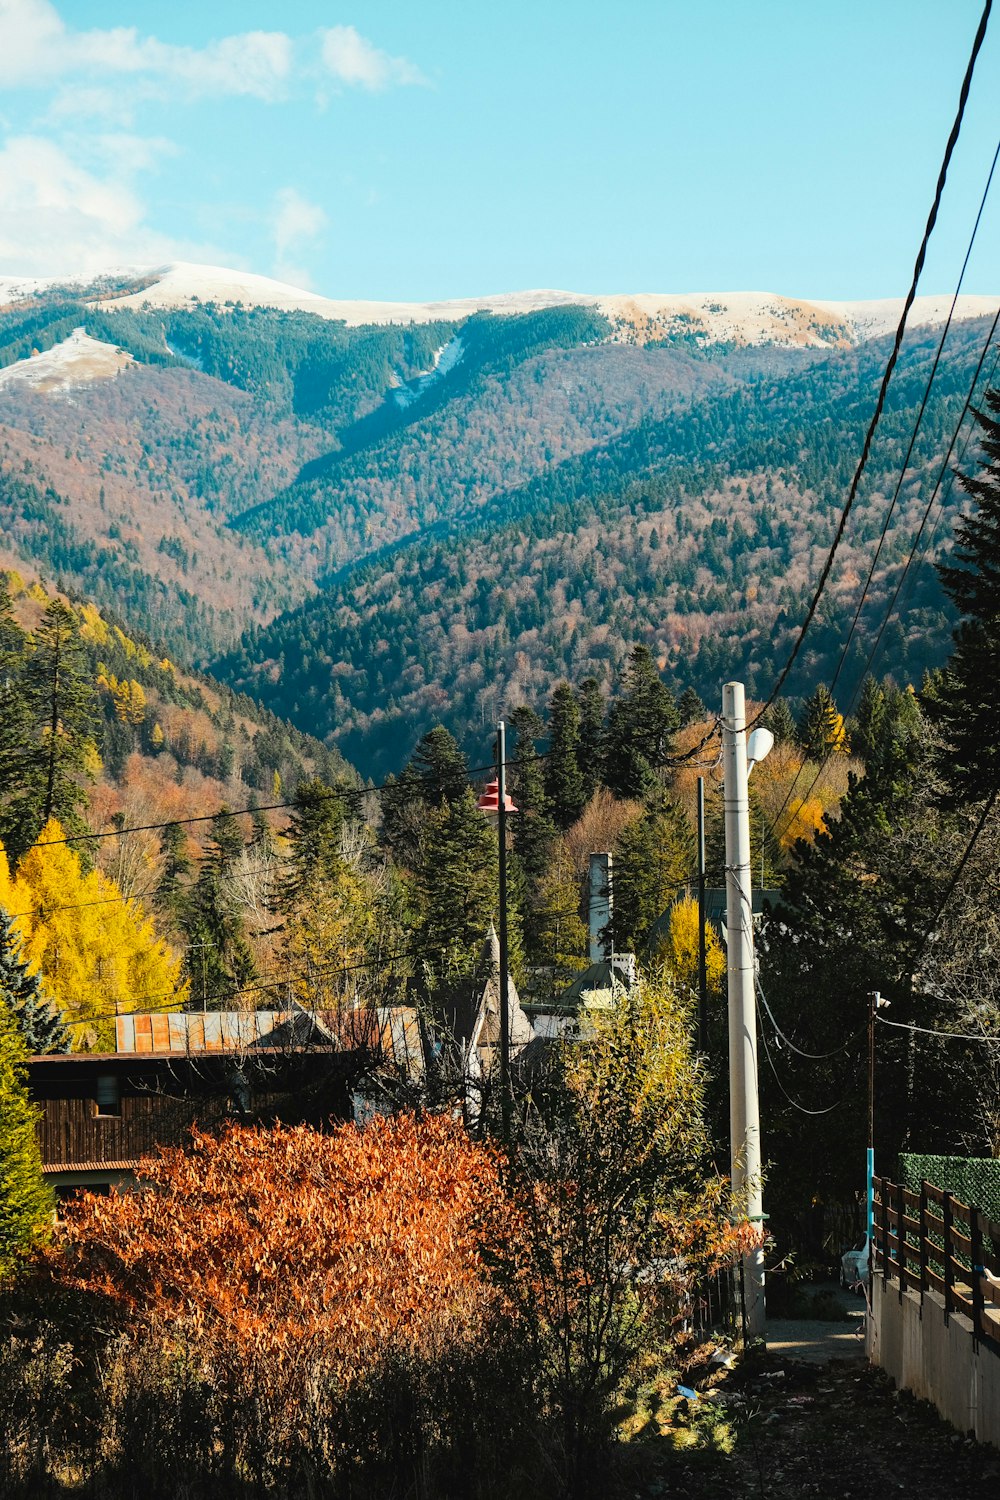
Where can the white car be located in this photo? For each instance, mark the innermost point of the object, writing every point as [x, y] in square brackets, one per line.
[854, 1267]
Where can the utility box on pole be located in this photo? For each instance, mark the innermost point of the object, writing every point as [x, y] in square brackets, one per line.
[744, 1108]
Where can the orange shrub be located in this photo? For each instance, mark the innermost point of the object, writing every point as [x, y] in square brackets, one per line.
[272, 1239]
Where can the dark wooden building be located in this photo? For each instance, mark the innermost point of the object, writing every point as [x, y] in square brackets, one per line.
[99, 1113]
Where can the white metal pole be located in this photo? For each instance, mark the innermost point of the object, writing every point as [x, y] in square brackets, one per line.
[744, 1108]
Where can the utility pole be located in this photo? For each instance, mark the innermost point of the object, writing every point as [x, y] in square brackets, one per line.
[744, 1106]
[875, 1002]
[702, 964]
[505, 1100]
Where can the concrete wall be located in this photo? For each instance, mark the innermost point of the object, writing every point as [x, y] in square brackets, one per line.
[934, 1359]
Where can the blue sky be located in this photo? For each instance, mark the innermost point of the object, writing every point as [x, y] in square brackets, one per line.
[438, 148]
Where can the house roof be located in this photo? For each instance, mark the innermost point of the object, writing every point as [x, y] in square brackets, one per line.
[89, 1166]
[471, 1007]
[220, 1030]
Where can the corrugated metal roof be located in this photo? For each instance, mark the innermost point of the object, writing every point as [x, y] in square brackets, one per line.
[89, 1166]
[218, 1030]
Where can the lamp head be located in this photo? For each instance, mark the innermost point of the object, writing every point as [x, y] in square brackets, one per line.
[759, 746]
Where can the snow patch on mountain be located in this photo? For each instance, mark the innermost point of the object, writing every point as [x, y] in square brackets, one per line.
[702, 318]
[75, 361]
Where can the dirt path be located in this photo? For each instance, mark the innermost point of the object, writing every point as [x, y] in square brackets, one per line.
[810, 1417]
[819, 1342]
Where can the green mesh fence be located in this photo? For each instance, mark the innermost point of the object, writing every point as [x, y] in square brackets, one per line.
[974, 1180]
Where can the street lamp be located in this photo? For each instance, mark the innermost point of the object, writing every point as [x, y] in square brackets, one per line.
[496, 804]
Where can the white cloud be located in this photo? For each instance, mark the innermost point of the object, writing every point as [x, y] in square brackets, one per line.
[296, 222]
[355, 61]
[37, 48]
[59, 218]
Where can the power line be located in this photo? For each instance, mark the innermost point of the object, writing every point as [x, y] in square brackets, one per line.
[950, 1036]
[787, 1042]
[289, 977]
[890, 512]
[890, 366]
[956, 877]
[333, 794]
[928, 545]
[794, 1102]
[906, 567]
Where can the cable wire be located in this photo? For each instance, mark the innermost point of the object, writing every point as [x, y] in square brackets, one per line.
[955, 878]
[803, 1109]
[891, 364]
[288, 978]
[831, 749]
[787, 1042]
[951, 1036]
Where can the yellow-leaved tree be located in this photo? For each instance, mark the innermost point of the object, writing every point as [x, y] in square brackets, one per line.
[98, 953]
[680, 950]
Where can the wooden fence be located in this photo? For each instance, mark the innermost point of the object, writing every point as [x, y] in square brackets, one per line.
[929, 1241]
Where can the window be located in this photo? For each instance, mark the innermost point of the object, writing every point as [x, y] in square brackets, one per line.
[108, 1094]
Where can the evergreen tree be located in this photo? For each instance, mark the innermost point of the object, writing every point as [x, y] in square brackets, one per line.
[780, 722]
[456, 889]
[172, 891]
[564, 782]
[38, 1021]
[655, 855]
[334, 913]
[641, 726]
[965, 703]
[559, 934]
[15, 725]
[59, 699]
[869, 725]
[853, 907]
[592, 710]
[435, 775]
[219, 960]
[690, 708]
[821, 727]
[533, 829]
[25, 1202]
[313, 835]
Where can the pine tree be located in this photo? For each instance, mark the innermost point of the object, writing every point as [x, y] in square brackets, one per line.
[219, 960]
[690, 708]
[15, 726]
[965, 703]
[435, 775]
[821, 727]
[172, 891]
[313, 836]
[564, 783]
[592, 712]
[533, 828]
[780, 722]
[655, 855]
[59, 700]
[456, 889]
[641, 726]
[38, 1021]
[25, 1202]
[559, 934]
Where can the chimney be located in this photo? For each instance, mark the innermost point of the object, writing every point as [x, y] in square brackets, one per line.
[599, 925]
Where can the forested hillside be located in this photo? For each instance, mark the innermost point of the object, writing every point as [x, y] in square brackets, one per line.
[699, 534]
[372, 528]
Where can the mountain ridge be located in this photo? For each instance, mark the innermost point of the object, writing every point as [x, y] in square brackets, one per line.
[750, 317]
